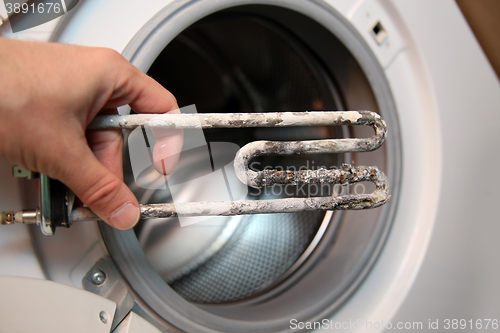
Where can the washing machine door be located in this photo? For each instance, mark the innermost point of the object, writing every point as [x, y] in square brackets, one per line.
[350, 271]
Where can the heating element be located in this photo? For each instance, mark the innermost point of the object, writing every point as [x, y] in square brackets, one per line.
[347, 174]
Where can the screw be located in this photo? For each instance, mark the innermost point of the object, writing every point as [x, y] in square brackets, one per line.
[98, 277]
[103, 316]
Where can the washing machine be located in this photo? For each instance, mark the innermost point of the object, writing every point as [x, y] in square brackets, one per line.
[425, 261]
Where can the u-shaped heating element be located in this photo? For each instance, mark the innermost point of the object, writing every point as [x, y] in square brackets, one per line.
[345, 175]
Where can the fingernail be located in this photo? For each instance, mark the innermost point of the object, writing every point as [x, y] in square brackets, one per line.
[125, 217]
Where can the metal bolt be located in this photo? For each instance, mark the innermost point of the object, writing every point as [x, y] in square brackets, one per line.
[98, 277]
[103, 316]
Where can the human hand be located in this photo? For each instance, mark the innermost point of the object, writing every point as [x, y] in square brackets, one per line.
[49, 93]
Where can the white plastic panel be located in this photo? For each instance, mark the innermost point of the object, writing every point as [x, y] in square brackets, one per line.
[31, 305]
[345, 7]
[110, 23]
[459, 275]
[364, 15]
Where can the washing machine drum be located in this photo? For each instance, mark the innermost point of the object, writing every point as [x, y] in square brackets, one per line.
[251, 271]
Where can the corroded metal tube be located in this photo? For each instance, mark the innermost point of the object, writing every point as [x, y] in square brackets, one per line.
[345, 175]
[240, 120]
[271, 177]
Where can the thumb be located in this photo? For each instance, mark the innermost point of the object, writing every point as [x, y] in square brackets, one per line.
[101, 190]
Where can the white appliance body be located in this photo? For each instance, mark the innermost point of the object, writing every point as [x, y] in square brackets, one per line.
[440, 259]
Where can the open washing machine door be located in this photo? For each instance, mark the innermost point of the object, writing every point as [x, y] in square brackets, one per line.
[403, 265]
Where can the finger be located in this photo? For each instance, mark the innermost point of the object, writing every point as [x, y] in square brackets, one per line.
[108, 147]
[141, 92]
[99, 188]
[152, 97]
[145, 95]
